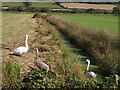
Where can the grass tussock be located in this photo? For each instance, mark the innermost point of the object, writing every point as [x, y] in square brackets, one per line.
[69, 64]
[100, 45]
[11, 75]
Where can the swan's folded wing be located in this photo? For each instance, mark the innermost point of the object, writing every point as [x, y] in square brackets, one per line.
[19, 50]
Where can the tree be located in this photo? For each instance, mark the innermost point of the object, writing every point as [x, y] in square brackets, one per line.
[26, 4]
[116, 10]
[91, 10]
[45, 9]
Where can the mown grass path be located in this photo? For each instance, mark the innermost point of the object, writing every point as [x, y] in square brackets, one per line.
[14, 29]
[40, 35]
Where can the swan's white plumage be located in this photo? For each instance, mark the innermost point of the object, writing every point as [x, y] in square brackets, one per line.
[90, 74]
[22, 49]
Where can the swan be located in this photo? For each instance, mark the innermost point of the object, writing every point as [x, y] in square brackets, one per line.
[41, 65]
[22, 49]
[90, 74]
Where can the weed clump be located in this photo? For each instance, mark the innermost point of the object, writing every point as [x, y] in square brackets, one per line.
[36, 15]
[11, 75]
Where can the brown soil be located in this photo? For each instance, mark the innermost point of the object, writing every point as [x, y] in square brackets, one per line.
[88, 6]
[61, 9]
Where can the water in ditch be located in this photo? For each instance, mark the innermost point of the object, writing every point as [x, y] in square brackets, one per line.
[73, 48]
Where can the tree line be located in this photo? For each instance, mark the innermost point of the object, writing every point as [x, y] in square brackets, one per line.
[27, 8]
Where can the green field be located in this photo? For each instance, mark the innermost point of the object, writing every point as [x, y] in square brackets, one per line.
[106, 22]
[34, 4]
[11, 3]
[45, 4]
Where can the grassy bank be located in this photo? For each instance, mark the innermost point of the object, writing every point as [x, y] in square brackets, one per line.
[14, 28]
[66, 71]
[101, 46]
[105, 22]
[63, 63]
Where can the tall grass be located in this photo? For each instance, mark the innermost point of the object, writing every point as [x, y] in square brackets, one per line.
[11, 75]
[64, 64]
[100, 45]
[67, 63]
[66, 70]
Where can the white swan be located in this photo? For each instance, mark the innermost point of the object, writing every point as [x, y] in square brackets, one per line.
[90, 74]
[41, 65]
[22, 49]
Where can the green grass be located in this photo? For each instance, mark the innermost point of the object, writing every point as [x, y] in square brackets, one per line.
[45, 4]
[34, 4]
[17, 25]
[8, 24]
[12, 3]
[11, 75]
[106, 22]
[100, 45]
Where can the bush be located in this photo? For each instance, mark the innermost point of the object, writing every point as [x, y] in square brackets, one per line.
[27, 4]
[35, 9]
[78, 11]
[20, 9]
[90, 11]
[116, 10]
[36, 15]
[45, 10]
[40, 79]
[13, 8]
[17, 8]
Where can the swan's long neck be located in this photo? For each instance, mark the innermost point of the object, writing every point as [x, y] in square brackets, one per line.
[37, 58]
[88, 66]
[26, 44]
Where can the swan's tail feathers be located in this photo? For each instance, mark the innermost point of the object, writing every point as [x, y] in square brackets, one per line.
[11, 53]
[47, 69]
